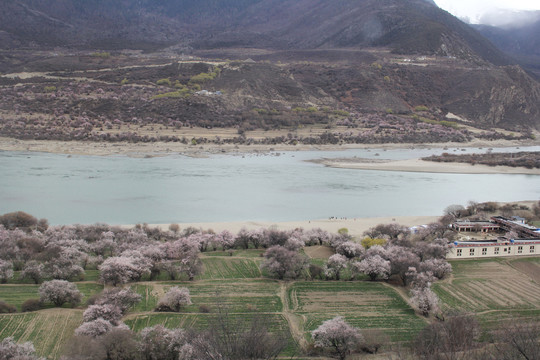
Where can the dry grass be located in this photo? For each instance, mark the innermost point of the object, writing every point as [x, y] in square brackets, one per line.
[491, 285]
[319, 252]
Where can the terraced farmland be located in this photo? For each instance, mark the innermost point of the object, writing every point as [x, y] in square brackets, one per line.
[365, 305]
[230, 268]
[238, 296]
[48, 329]
[489, 285]
[505, 287]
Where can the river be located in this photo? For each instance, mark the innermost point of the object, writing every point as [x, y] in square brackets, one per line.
[276, 187]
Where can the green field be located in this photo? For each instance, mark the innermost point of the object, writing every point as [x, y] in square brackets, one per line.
[16, 294]
[488, 287]
[47, 329]
[230, 268]
[238, 296]
[365, 305]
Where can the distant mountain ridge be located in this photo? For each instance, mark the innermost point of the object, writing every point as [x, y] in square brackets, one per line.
[405, 26]
[521, 41]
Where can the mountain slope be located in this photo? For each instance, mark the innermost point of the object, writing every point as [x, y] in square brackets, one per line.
[520, 41]
[406, 26]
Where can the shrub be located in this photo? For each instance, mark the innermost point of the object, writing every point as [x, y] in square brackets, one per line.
[202, 78]
[205, 309]
[174, 228]
[6, 308]
[316, 271]
[102, 54]
[6, 271]
[368, 242]
[31, 305]
[164, 82]
[341, 113]
[18, 219]
[9, 349]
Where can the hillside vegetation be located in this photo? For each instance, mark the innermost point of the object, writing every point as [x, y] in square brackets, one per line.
[347, 71]
[530, 160]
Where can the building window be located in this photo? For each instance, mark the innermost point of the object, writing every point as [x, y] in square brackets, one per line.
[496, 251]
[532, 249]
[471, 252]
[520, 249]
[458, 252]
[505, 249]
[484, 251]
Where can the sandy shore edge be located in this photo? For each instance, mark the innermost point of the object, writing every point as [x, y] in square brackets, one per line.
[169, 148]
[356, 226]
[418, 165]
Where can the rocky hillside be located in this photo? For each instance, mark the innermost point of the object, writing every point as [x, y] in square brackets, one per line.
[295, 62]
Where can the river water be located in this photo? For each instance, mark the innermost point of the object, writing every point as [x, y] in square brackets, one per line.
[127, 190]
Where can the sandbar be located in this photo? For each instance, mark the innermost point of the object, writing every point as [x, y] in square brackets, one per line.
[169, 148]
[418, 165]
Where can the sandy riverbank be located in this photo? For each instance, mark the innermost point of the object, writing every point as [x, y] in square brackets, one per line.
[167, 148]
[355, 226]
[417, 165]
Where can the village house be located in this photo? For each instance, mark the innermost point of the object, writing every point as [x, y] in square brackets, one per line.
[526, 243]
[493, 248]
[475, 226]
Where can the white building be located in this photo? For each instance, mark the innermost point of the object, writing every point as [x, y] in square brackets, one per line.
[495, 248]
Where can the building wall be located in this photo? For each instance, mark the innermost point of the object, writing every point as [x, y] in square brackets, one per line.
[479, 251]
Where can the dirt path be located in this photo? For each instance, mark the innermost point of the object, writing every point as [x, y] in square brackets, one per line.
[296, 322]
[402, 292]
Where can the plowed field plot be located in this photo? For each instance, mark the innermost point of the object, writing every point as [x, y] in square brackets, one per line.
[362, 304]
[230, 268]
[137, 322]
[275, 322]
[249, 253]
[47, 329]
[238, 296]
[528, 266]
[485, 285]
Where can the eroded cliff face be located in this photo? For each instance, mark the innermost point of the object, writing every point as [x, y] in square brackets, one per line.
[505, 97]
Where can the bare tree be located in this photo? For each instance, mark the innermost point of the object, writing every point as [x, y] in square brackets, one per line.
[518, 339]
[230, 337]
[454, 210]
[455, 338]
